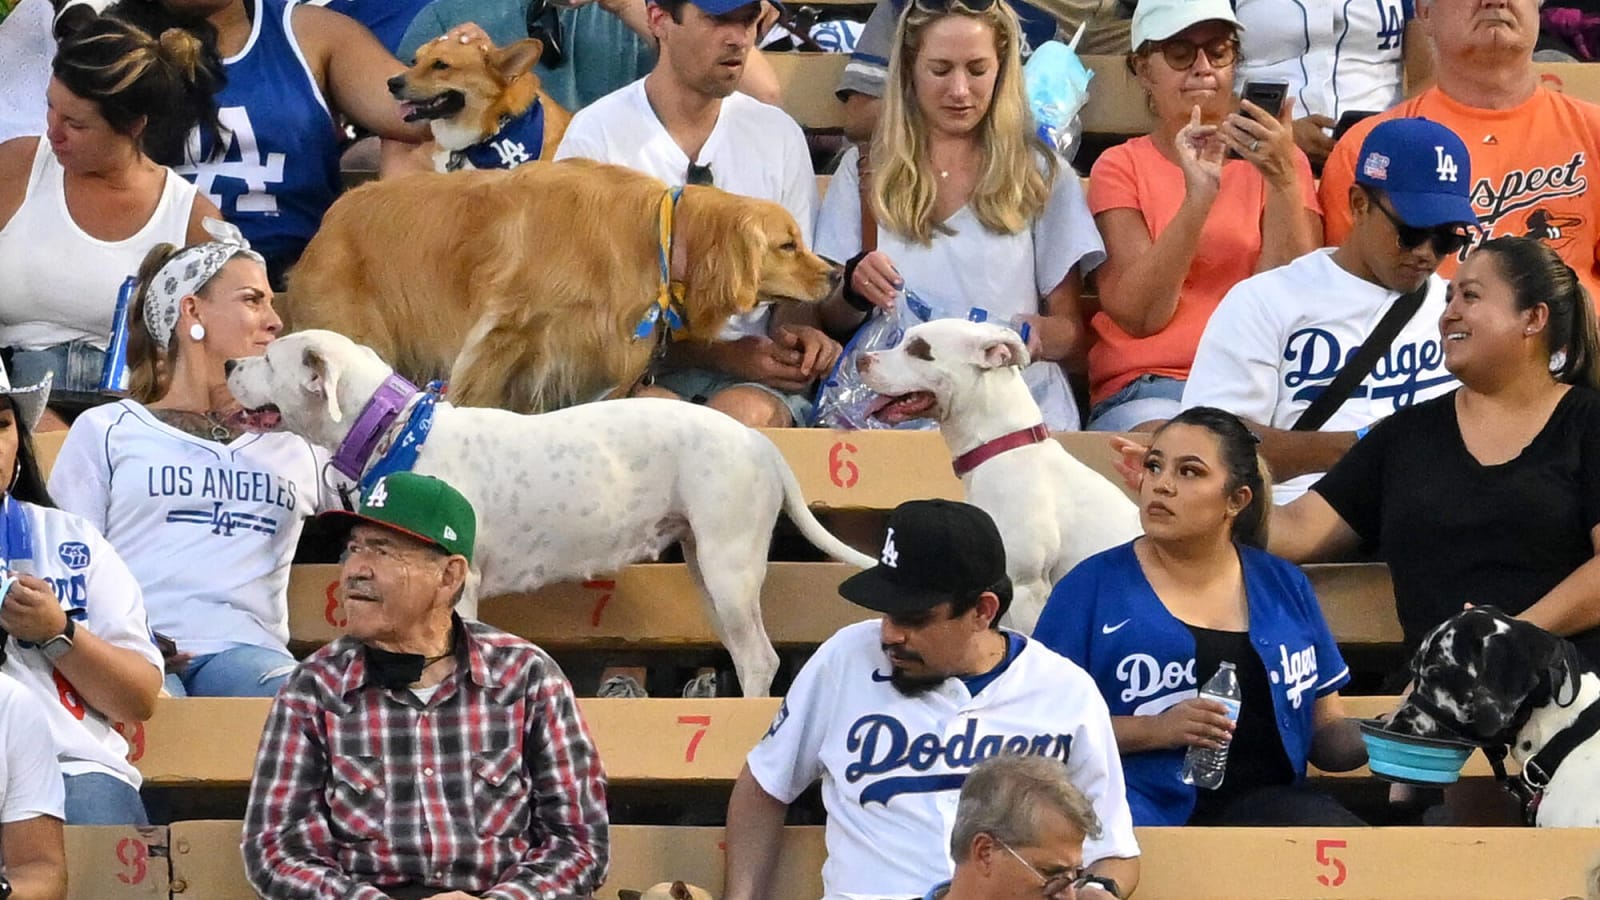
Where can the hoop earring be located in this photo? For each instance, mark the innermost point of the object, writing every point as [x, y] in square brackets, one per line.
[197, 332]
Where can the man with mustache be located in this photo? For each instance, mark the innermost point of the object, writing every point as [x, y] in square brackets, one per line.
[421, 755]
[891, 715]
[1533, 149]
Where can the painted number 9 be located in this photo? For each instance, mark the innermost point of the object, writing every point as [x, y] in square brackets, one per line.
[133, 856]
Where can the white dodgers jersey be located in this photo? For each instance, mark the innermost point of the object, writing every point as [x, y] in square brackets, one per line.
[892, 766]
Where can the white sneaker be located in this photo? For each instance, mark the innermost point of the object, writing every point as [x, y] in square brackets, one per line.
[621, 687]
[702, 685]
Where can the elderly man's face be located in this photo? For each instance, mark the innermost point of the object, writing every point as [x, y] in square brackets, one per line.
[392, 584]
[1466, 28]
[1047, 868]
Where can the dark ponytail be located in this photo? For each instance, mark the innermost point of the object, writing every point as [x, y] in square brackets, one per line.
[167, 78]
[1244, 465]
[1538, 275]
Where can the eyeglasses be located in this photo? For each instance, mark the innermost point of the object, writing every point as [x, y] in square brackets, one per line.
[1056, 885]
[544, 25]
[944, 6]
[1181, 55]
[1446, 239]
[700, 175]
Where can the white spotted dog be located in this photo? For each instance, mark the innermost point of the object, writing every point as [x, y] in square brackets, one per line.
[565, 495]
[1052, 510]
[1491, 680]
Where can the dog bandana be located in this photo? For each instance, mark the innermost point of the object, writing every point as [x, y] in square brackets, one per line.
[668, 308]
[187, 272]
[517, 140]
[402, 454]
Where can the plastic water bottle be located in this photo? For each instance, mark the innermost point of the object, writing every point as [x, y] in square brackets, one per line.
[1205, 768]
[1018, 323]
[114, 371]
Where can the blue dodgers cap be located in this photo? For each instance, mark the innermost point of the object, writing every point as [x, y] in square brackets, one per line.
[1424, 170]
[723, 7]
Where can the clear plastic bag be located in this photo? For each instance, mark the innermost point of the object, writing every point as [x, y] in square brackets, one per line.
[843, 401]
[1057, 83]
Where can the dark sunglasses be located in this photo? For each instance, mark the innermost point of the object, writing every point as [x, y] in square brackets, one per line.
[1181, 55]
[1446, 239]
[944, 6]
[699, 174]
[545, 26]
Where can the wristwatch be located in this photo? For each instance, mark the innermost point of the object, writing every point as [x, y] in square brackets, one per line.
[1108, 885]
[54, 649]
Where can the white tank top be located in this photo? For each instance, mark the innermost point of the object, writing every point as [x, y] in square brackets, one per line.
[58, 284]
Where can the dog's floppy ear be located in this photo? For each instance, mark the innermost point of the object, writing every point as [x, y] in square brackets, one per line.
[322, 380]
[1002, 347]
[726, 252]
[628, 895]
[516, 59]
[1562, 668]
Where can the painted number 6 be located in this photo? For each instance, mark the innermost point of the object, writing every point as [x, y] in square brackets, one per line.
[133, 855]
[334, 611]
[841, 471]
[703, 723]
[1328, 860]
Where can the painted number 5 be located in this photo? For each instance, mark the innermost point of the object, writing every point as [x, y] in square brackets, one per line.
[701, 723]
[1330, 861]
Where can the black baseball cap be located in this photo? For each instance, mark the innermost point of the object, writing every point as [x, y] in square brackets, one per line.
[935, 551]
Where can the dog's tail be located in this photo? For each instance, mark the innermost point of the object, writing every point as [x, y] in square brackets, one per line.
[794, 503]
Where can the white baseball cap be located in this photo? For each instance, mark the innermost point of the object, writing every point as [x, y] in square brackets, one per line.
[1157, 20]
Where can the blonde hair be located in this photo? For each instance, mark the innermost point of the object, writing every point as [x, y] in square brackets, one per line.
[1012, 187]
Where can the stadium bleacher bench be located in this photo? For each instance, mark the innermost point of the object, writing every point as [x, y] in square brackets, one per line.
[1176, 863]
[211, 742]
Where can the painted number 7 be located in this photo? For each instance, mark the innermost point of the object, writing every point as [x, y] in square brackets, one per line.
[702, 723]
[1328, 860]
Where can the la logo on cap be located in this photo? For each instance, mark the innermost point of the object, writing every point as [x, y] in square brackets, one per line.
[891, 556]
[1447, 168]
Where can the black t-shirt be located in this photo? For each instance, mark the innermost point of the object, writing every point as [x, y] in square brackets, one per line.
[1256, 758]
[1455, 531]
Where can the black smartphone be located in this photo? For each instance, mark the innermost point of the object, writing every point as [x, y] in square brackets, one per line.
[1349, 118]
[1269, 95]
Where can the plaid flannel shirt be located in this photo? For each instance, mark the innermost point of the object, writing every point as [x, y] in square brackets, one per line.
[492, 787]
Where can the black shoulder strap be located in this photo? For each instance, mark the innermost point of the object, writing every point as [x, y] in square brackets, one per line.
[1360, 365]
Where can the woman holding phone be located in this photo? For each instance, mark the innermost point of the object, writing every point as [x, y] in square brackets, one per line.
[1214, 194]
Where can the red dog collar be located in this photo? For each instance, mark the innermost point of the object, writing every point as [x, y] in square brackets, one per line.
[988, 450]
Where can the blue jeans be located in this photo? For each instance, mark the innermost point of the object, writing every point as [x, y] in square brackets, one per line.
[244, 671]
[76, 367]
[1140, 400]
[95, 798]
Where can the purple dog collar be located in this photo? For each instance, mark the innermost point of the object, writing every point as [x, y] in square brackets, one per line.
[375, 419]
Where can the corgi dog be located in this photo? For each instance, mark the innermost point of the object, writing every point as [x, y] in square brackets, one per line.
[485, 106]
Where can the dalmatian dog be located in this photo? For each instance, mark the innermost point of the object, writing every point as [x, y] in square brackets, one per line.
[1052, 510]
[571, 494]
[1488, 679]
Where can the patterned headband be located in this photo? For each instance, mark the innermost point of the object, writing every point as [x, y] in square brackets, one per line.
[188, 271]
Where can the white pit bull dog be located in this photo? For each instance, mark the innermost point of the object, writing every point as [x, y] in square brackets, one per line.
[566, 495]
[1052, 510]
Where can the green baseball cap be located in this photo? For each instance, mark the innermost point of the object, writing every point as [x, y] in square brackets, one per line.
[421, 506]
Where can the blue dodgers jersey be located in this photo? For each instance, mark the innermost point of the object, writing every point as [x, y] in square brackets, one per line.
[1105, 617]
[278, 169]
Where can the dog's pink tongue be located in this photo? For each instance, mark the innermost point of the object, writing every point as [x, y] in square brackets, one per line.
[895, 410]
[257, 420]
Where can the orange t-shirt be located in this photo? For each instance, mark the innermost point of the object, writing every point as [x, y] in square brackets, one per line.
[1530, 172]
[1134, 175]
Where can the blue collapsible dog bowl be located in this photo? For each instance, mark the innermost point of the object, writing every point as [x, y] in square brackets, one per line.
[1411, 759]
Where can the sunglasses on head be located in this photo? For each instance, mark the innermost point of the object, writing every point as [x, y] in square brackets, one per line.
[544, 25]
[699, 174]
[1181, 55]
[944, 6]
[1446, 239]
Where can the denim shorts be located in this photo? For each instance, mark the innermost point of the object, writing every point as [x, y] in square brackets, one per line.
[1140, 400]
[76, 366]
[700, 385]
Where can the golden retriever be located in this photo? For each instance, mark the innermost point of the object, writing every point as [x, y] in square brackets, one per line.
[470, 92]
[527, 285]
